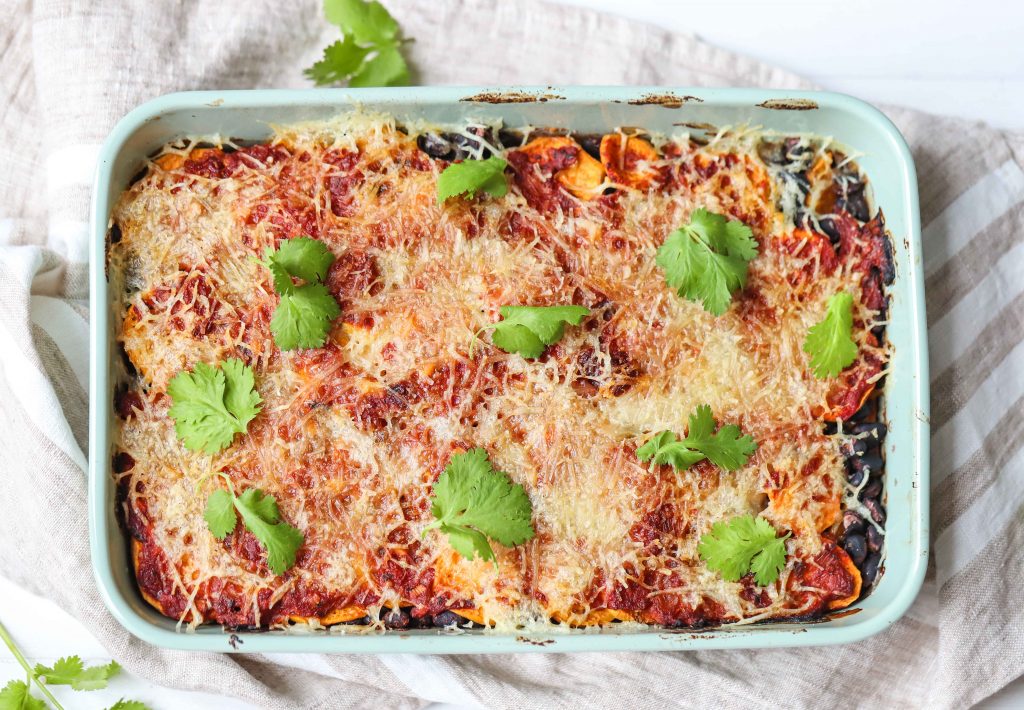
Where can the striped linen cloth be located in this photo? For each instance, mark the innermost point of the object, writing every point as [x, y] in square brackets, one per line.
[72, 69]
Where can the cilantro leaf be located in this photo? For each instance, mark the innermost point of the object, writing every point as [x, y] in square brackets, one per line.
[303, 317]
[472, 176]
[302, 257]
[70, 671]
[744, 544]
[220, 513]
[261, 517]
[366, 22]
[528, 329]
[829, 343]
[386, 68]
[123, 704]
[211, 405]
[706, 260]
[726, 448]
[341, 60]
[368, 52]
[16, 696]
[472, 502]
[518, 339]
[666, 448]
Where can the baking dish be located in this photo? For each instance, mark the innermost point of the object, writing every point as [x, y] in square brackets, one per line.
[246, 115]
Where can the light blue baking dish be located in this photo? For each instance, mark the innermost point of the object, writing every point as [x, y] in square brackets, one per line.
[246, 114]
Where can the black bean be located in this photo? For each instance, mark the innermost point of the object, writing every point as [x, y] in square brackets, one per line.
[853, 523]
[421, 622]
[435, 146]
[874, 539]
[591, 143]
[771, 152]
[854, 202]
[397, 619]
[830, 428]
[510, 139]
[875, 430]
[854, 447]
[870, 570]
[801, 181]
[868, 463]
[856, 547]
[447, 618]
[363, 621]
[872, 491]
[854, 475]
[828, 226]
[466, 146]
[795, 152]
[876, 509]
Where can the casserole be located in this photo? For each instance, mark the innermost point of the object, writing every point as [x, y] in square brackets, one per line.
[657, 111]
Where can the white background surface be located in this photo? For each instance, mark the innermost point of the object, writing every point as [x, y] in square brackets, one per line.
[943, 56]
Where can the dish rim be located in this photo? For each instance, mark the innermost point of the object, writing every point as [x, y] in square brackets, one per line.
[216, 638]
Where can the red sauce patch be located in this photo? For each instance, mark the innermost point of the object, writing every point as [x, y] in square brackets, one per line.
[154, 578]
[830, 572]
[534, 173]
[353, 274]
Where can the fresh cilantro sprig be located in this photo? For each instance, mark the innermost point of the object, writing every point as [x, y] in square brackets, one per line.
[706, 260]
[261, 517]
[472, 503]
[742, 545]
[725, 448]
[527, 330]
[211, 404]
[472, 176]
[303, 317]
[71, 671]
[830, 343]
[17, 694]
[368, 53]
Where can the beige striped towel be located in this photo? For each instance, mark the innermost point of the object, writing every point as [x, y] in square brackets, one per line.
[70, 70]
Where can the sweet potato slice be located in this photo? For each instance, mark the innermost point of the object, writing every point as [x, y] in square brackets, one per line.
[582, 176]
[628, 160]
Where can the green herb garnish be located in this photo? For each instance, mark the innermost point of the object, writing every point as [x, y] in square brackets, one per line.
[211, 405]
[368, 53]
[829, 343]
[742, 545]
[706, 260]
[472, 503]
[725, 448]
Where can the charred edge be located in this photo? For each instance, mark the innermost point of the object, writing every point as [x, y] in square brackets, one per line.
[697, 126]
[401, 619]
[789, 104]
[666, 100]
[510, 97]
[842, 613]
[535, 642]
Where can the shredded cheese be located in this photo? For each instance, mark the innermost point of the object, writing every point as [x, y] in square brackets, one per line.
[352, 436]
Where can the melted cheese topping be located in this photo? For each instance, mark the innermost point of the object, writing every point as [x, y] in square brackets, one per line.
[353, 435]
